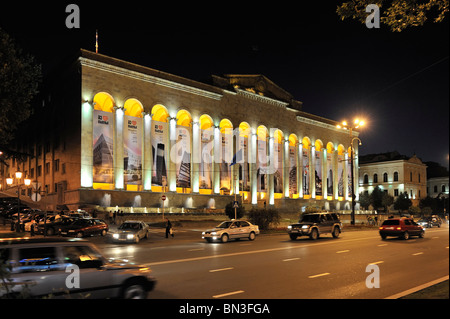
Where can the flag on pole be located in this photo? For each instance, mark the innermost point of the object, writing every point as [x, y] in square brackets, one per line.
[96, 41]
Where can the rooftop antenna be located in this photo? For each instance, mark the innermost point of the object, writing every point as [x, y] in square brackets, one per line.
[96, 41]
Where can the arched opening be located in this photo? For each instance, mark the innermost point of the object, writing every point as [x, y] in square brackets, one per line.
[160, 148]
[293, 152]
[306, 171]
[278, 186]
[226, 132]
[243, 160]
[133, 108]
[104, 102]
[183, 144]
[206, 148]
[160, 113]
[262, 162]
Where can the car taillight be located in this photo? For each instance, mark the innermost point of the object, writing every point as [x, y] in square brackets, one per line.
[381, 228]
[399, 228]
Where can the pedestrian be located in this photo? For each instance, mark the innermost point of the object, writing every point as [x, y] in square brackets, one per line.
[114, 217]
[110, 216]
[33, 222]
[169, 229]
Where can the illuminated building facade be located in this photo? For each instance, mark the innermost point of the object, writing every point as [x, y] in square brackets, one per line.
[131, 133]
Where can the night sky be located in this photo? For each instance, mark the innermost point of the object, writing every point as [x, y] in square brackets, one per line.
[397, 82]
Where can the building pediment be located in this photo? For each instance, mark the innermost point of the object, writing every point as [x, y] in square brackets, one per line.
[258, 85]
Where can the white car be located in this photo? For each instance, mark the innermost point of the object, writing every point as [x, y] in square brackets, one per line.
[234, 229]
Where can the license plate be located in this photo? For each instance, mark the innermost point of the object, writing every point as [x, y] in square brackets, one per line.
[390, 228]
[63, 233]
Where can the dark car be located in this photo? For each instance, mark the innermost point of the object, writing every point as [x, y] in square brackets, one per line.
[85, 227]
[54, 225]
[401, 227]
[316, 224]
[41, 268]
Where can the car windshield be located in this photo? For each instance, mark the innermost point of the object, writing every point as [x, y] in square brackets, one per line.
[310, 218]
[224, 225]
[129, 226]
[391, 222]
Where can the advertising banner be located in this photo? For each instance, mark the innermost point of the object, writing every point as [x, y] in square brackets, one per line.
[160, 153]
[278, 162]
[227, 157]
[318, 172]
[341, 175]
[329, 175]
[103, 147]
[305, 155]
[132, 140]
[207, 143]
[261, 166]
[183, 160]
[292, 171]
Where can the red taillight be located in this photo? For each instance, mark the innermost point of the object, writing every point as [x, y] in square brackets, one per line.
[381, 228]
[399, 228]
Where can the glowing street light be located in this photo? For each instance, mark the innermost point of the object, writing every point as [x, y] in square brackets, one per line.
[27, 182]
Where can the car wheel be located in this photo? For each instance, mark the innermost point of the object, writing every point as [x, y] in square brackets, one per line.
[252, 236]
[314, 234]
[50, 231]
[292, 236]
[335, 232]
[137, 239]
[134, 290]
[146, 235]
[224, 238]
[421, 234]
[405, 235]
[383, 237]
[103, 233]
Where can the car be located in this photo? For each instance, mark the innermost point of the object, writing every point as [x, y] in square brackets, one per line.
[316, 224]
[131, 231]
[85, 227]
[233, 229]
[425, 222]
[68, 268]
[401, 227]
[54, 226]
[436, 221]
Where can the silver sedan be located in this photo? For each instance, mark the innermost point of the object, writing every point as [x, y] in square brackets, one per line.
[131, 231]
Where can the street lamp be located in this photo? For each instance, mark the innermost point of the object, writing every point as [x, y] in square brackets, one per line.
[357, 123]
[27, 182]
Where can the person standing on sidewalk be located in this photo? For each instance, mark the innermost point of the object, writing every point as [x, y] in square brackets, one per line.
[169, 229]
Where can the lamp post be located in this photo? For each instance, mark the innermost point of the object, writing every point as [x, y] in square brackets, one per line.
[27, 182]
[357, 123]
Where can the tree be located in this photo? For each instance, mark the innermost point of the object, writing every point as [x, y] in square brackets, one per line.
[397, 14]
[376, 198]
[387, 200]
[229, 211]
[19, 80]
[264, 217]
[364, 200]
[403, 202]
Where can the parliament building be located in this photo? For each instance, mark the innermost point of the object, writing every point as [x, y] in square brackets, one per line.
[110, 134]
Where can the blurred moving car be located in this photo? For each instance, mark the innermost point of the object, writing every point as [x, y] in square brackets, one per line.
[131, 231]
[43, 267]
[316, 224]
[429, 222]
[85, 227]
[234, 229]
[401, 227]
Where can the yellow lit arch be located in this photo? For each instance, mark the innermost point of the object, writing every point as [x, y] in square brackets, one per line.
[206, 122]
[330, 147]
[293, 140]
[133, 108]
[318, 145]
[341, 149]
[225, 126]
[278, 137]
[244, 129]
[262, 133]
[184, 118]
[160, 113]
[306, 143]
[104, 102]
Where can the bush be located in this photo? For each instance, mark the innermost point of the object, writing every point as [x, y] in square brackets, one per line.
[264, 217]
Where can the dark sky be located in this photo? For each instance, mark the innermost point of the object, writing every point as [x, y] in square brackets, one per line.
[398, 82]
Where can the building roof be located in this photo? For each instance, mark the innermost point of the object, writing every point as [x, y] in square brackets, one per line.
[388, 157]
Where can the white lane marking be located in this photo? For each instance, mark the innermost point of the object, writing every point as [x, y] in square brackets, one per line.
[319, 275]
[382, 245]
[222, 269]
[415, 289]
[377, 262]
[254, 252]
[229, 294]
[196, 249]
[417, 254]
[342, 251]
[291, 259]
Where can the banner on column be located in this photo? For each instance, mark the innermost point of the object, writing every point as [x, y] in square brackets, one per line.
[305, 155]
[207, 142]
[349, 178]
[103, 147]
[278, 161]
[318, 173]
[292, 171]
[132, 140]
[261, 173]
[341, 175]
[183, 157]
[227, 157]
[244, 166]
[160, 153]
[329, 175]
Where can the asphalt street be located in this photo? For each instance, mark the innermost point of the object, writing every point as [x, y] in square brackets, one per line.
[274, 267]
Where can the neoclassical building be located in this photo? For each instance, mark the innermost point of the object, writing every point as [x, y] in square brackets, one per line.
[110, 133]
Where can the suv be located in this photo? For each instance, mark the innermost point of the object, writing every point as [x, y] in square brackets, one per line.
[316, 224]
[67, 269]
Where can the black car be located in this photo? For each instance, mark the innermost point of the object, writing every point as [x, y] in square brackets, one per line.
[53, 225]
[316, 224]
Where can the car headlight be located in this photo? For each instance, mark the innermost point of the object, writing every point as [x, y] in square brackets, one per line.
[130, 236]
[116, 236]
[290, 227]
[305, 226]
[213, 233]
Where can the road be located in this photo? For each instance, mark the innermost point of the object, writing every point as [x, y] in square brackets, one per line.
[274, 267]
